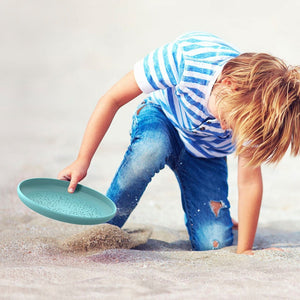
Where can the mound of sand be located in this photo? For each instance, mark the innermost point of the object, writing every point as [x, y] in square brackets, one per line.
[105, 236]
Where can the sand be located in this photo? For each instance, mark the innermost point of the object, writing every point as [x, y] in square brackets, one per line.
[104, 237]
[57, 58]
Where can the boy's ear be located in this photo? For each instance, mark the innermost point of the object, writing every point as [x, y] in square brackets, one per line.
[229, 83]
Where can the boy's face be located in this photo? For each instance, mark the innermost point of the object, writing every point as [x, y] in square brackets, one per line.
[218, 114]
[225, 125]
[224, 84]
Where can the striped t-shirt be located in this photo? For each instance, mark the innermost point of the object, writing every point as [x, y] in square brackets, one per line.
[179, 78]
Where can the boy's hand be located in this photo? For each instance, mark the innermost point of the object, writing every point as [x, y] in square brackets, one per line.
[250, 189]
[121, 93]
[74, 173]
[247, 252]
[252, 252]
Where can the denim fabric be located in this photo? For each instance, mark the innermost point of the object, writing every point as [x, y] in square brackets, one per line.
[203, 182]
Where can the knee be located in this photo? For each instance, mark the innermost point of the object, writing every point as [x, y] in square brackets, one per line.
[211, 244]
[212, 238]
[140, 164]
[150, 154]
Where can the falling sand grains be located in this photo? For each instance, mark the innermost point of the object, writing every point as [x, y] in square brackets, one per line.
[105, 236]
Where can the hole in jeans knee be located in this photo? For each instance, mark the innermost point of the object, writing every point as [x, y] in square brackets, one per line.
[215, 244]
[139, 110]
[216, 206]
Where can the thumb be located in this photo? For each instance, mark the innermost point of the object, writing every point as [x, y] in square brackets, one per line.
[72, 185]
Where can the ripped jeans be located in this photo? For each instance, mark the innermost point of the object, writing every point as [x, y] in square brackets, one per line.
[203, 182]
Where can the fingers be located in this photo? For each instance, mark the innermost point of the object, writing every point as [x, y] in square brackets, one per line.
[73, 173]
[68, 177]
[274, 249]
[73, 183]
[248, 252]
[252, 252]
[63, 175]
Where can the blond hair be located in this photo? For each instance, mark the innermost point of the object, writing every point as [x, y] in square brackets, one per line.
[263, 104]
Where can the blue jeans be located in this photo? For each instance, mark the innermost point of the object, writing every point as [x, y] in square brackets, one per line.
[203, 182]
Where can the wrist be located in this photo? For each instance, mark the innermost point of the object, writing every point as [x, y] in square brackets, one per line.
[83, 160]
[242, 250]
[247, 252]
[244, 246]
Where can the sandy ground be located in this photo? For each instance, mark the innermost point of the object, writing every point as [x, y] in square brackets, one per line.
[56, 59]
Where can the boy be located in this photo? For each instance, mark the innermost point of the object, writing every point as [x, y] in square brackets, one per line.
[206, 100]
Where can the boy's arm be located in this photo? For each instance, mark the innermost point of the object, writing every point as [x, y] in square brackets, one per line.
[121, 93]
[250, 189]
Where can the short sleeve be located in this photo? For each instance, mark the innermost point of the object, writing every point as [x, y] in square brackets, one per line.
[160, 69]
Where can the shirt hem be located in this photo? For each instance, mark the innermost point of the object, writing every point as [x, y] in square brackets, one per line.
[141, 79]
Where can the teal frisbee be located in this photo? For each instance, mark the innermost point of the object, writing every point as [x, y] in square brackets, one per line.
[50, 198]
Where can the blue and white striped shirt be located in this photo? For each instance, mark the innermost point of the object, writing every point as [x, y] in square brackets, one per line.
[179, 77]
